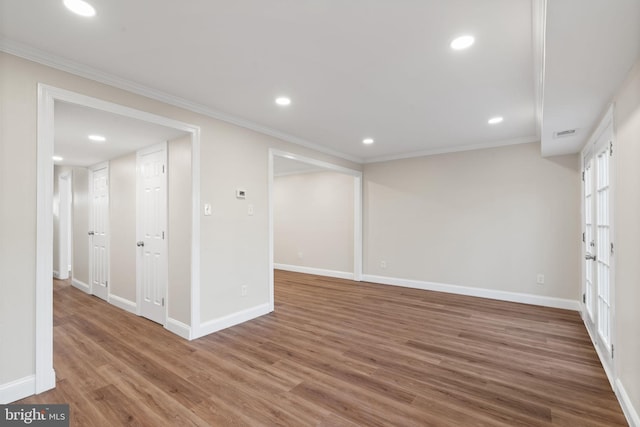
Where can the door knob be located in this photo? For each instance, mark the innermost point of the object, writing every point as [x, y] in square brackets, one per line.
[140, 243]
[91, 233]
[590, 257]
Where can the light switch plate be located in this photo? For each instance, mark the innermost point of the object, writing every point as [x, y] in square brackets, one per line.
[207, 209]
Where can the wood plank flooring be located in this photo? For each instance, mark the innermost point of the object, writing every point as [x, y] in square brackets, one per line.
[334, 353]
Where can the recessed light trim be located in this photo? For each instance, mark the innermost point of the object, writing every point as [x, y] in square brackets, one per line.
[97, 138]
[57, 158]
[495, 120]
[462, 42]
[80, 7]
[367, 141]
[283, 100]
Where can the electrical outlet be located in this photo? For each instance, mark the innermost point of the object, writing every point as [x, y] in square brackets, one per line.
[383, 264]
[540, 279]
[243, 290]
[300, 255]
[207, 209]
[249, 210]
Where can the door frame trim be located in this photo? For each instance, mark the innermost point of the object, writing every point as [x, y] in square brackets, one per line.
[45, 378]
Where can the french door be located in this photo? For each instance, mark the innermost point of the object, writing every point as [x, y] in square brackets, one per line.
[598, 287]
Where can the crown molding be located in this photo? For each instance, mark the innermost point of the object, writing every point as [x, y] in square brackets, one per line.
[36, 55]
[445, 150]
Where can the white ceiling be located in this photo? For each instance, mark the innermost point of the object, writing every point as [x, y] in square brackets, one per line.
[380, 69]
[74, 123]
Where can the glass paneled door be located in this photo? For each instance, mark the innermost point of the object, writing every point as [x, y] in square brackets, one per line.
[598, 244]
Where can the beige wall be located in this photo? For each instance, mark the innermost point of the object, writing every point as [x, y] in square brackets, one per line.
[179, 225]
[80, 269]
[234, 246]
[627, 235]
[122, 227]
[57, 171]
[313, 220]
[491, 219]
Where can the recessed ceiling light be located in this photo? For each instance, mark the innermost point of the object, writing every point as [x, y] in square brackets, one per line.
[97, 138]
[462, 42]
[80, 7]
[495, 120]
[283, 100]
[367, 141]
[57, 158]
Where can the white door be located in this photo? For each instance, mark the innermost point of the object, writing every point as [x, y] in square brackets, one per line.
[152, 225]
[99, 230]
[598, 243]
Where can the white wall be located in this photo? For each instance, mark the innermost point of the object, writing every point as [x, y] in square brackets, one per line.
[234, 246]
[627, 236]
[80, 268]
[313, 220]
[122, 227]
[489, 219]
[179, 224]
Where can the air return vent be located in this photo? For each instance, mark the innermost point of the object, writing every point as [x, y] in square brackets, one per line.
[565, 133]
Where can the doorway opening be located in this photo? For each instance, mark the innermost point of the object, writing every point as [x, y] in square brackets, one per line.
[348, 203]
[50, 101]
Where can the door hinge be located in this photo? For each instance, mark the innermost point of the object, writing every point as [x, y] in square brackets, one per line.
[163, 235]
[582, 176]
[612, 248]
[106, 283]
[162, 168]
[584, 298]
[583, 240]
[612, 351]
[610, 148]
[163, 301]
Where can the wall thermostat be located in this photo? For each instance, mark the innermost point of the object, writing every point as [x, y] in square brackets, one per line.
[241, 194]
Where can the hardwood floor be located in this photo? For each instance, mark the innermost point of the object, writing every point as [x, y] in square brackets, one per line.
[334, 353]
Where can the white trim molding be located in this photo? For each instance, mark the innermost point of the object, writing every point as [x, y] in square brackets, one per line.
[122, 303]
[18, 389]
[80, 285]
[177, 327]
[233, 319]
[632, 414]
[313, 270]
[544, 301]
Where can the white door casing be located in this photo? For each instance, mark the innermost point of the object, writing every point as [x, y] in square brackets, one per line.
[99, 230]
[151, 224]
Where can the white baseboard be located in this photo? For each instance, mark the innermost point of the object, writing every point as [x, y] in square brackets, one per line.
[18, 389]
[80, 285]
[56, 274]
[312, 270]
[633, 417]
[603, 361]
[224, 322]
[122, 303]
[177, 327]
[476, 292]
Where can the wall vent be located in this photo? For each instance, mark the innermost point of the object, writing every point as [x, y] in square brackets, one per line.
[564, 133]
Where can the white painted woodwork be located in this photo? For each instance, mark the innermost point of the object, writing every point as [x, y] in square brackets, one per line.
[99, 226]
[152, 225]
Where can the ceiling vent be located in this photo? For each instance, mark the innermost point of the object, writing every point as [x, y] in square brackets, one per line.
[565, 133]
